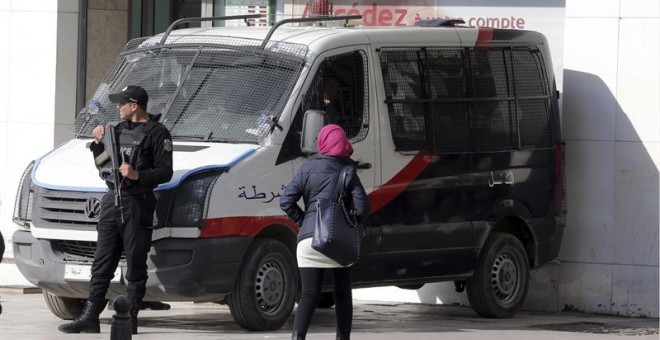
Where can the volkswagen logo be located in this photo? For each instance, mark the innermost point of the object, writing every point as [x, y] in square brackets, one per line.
[93, 208]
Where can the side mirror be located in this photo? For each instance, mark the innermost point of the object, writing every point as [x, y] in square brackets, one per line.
[313, 121]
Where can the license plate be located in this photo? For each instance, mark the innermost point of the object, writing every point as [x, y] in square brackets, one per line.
[81, 272]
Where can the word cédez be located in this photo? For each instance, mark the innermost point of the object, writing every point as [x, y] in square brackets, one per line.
[376, 15]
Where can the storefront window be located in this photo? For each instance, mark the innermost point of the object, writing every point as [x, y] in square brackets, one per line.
[267, 8]
[149, 17]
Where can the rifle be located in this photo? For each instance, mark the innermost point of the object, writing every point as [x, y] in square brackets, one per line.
[108, 164]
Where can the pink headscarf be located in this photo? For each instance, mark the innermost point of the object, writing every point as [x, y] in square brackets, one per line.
[332, 141]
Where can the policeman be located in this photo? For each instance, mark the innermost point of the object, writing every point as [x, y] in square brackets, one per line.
[145, 151]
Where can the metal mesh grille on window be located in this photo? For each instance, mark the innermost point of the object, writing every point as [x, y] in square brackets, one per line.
[403, 86]
[206, 87]
[454, 100]
[445, 79]
[493, 123]
[340, 88]
[421, 87]
[533, 117]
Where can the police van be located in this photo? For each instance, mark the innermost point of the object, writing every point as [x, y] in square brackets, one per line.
[457, 142]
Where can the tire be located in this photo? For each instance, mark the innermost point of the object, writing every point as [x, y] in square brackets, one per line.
[412, 287]
[266, 288]
[499, 285]
[62, 307]
[327, 300]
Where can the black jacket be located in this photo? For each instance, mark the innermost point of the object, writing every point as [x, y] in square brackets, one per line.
[154, 163]
[317, 178]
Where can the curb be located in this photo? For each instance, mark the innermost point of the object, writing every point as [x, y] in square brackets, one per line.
[20, 290]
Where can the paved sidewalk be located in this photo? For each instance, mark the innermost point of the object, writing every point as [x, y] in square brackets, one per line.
[26, 317]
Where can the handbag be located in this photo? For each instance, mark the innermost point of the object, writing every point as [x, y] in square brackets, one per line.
[336, 234]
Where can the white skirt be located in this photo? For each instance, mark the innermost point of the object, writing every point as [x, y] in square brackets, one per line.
[309, 257]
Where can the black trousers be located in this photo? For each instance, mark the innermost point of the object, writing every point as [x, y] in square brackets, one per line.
[312, 279]
[133, 236]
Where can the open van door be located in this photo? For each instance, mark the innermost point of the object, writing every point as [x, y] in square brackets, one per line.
[339, 89]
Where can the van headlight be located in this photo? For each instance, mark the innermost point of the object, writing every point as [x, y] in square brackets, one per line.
[24, 198]
[192, 198]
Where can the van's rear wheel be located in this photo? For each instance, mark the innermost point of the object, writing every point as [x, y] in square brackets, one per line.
[499, 285]
[62, 307]
[265, 290]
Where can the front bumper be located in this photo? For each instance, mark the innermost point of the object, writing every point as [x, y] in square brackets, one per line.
[178, 269]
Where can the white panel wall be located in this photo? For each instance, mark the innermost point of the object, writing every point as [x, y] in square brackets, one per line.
[609, 259]
[39, 52]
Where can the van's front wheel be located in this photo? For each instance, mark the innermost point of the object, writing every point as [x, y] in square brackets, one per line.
[265, 290]
[499, 285]
[62, 307]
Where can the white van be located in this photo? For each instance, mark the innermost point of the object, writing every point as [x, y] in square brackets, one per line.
[455, 131]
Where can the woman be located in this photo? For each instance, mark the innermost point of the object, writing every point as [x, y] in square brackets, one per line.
[317, 178]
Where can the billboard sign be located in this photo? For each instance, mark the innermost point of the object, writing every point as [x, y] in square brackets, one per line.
[545, 16]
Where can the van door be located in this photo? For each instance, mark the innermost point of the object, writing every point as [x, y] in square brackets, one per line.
[340, 87]
[423, 205]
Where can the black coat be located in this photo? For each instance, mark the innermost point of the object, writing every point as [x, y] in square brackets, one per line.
[154, 161]
[317, 178]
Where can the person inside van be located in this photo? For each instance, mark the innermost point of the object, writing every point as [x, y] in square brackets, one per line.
[331, 100]
[317, 178]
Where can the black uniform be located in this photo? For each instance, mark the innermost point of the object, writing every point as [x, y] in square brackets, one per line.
[148, 148]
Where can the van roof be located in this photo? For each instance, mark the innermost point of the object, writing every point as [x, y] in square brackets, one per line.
[321, 38]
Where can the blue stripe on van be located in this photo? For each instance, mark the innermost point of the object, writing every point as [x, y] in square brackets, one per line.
[164, 186]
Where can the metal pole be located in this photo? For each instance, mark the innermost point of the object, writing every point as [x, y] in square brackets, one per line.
[121, 321]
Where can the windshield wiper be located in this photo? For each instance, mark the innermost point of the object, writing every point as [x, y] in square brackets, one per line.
[205, 137]
[186, 137]
[180, 138]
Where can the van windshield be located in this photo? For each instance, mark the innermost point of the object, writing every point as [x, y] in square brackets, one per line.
[202, 92]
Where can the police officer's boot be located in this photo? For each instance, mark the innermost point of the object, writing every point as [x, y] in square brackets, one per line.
[297, 336]
[87, 322]
[133, 312]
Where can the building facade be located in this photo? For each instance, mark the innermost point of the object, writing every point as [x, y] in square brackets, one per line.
[606, 55]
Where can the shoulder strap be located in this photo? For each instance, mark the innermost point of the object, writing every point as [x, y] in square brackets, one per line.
[341, 183]
[147, 127]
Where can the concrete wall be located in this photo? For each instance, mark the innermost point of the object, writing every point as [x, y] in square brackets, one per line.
[612, 129]
[107, 34]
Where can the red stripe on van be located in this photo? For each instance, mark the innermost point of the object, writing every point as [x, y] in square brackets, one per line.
[243, 225]
[395, 186]
[485, 37]
[251, 226]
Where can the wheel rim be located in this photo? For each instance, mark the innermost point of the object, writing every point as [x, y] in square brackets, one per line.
[269, 286]
[505, 278]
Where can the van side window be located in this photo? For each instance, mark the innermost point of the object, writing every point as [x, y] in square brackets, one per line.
[533, 94]
[340, 89]
[457, 100]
